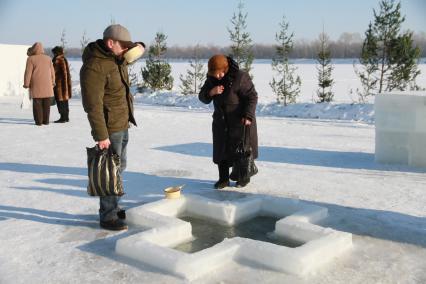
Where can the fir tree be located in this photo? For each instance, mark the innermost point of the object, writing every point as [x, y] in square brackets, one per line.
[133, 75]
[286, 85]
[84, 41]
[241, 47]
[393, 54]
[369, 62]
[405, 58]
[195, 76]
[325, 82]
[387, 24]
[157, 72]
[63, 39]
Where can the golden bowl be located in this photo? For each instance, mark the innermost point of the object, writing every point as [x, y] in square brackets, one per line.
[173, 192]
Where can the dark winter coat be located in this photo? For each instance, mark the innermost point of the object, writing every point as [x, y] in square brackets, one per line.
[238, 101]
[63, 78]
[105, 91]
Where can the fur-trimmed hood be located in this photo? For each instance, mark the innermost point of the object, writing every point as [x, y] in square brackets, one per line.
[36, 49]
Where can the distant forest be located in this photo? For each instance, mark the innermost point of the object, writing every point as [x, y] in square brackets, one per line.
[347, 46]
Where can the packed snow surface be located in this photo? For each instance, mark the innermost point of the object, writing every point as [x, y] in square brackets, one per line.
[50, 231]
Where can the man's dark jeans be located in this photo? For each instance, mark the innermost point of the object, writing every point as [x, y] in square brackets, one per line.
[109, 204]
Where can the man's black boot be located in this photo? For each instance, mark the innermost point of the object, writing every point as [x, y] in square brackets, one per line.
[121, 214]
[114, 225]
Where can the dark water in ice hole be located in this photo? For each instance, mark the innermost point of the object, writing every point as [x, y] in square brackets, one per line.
[207, 233]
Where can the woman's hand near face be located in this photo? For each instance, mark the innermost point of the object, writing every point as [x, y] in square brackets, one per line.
[216, 91]
[246, 121]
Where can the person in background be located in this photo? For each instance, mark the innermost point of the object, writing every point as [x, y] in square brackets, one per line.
[62, 90]
[234, 98]
[107, 100]
[39, 78]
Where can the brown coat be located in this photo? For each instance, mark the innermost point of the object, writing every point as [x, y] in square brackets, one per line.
[63, 78]
[39, 73]
[105, 91]
[238, 101]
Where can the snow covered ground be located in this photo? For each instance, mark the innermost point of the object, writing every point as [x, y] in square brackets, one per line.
[49, 226]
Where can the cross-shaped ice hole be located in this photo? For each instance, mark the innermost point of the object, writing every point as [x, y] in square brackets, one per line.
[207, 233]
[296, 222]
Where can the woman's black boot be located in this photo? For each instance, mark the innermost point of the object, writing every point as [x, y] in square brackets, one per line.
[223, 175]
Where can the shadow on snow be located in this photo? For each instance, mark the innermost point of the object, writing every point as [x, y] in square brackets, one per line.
[139, 187]
[299, 156]
[5, 120]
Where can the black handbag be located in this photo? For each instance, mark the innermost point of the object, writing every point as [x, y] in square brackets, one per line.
[243, 167]
[103, 172]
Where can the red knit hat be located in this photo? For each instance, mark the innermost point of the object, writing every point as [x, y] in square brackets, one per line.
[218, 63]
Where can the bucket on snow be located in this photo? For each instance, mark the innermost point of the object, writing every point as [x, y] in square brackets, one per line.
[173, 192]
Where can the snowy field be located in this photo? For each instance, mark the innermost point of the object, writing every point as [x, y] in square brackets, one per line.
[49, 226]
[343, 74]
[345, 105]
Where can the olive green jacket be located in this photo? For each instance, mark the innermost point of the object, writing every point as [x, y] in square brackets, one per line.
[105, 91]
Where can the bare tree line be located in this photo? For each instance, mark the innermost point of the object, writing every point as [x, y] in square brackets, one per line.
[348, 45]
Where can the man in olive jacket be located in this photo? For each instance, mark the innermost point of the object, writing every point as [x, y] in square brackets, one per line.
[108, 103]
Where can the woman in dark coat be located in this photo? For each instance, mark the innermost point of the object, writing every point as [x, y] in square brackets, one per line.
[63, 89]
[234, 98]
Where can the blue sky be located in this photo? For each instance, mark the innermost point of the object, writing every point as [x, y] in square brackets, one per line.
[188, 22]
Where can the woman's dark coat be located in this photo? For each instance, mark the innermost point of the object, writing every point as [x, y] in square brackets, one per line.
[238, 101]
[62, 89]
